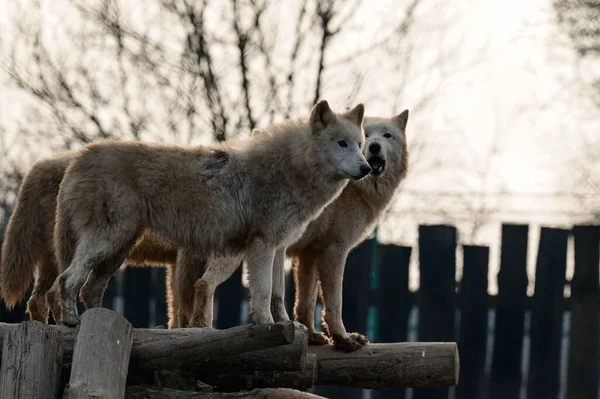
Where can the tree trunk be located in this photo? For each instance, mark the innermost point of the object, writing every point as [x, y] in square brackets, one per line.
[31, 362]
[408, 365]
[101, 356]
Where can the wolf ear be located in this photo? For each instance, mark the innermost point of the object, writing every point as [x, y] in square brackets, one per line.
[401, 120]
[321, 116]
[357, 114]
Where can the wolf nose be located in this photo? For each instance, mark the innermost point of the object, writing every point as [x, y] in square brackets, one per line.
[365, 170]
[374, 148]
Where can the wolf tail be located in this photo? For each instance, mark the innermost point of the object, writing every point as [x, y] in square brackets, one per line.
[28, 228]
[23, 242]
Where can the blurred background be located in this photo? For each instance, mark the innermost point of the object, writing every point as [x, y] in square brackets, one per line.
[492, 239]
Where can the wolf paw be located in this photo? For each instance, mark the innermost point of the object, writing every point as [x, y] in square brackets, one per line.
[317, 339]
[195, 323]
[37, 308]
[350, 342]
[52, 301]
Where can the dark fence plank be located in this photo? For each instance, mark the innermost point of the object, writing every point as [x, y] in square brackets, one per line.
[159, 294]
[473, 322]
[354, 308]
[436, 297]
[505, 378]
[584, 351]
[230, 295]
[394, 303]
[108, 300]
[290, 293]
[137, 293]
[546, 315]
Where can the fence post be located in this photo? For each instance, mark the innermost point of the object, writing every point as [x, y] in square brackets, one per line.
[585, 315]
[290, 293]
[546, 315]
[31, 362]
[473, 322]
[100, 356]
[394, 303]
[505, 378]
[229, 296]
[355, 306]
[159, 295]
[437, 297]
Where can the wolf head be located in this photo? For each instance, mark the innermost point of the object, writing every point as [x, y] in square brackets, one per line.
[338, 140]
[385, 143]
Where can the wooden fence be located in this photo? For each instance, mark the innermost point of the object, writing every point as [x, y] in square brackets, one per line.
[447, 310]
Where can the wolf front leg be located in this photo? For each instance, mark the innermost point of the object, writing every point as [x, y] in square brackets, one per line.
[277, 297]
[331, 273]
[259, 257]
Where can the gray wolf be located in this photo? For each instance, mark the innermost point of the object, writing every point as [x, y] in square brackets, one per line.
[249, 196]
[319, 256]
[28, 248]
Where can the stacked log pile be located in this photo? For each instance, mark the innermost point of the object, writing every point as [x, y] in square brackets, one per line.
[106, 358]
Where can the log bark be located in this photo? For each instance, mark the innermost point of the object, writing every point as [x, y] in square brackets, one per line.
[290, 357]
[101, 356]
[397, 365]
[237, 381]
[162, 349]
[171, 348]
[144, 392]
[31, 362]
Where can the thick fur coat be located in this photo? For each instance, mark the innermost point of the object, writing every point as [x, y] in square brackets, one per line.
[252, 196]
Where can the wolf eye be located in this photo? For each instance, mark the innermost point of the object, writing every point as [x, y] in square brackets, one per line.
[342, 143]
[366, 134]
[387, 135]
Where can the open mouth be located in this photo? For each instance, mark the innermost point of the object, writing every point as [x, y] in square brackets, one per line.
[377, 164]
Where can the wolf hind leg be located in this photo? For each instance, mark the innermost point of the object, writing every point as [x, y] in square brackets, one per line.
[37, 305]
[307, 290]
[218, 269]
[331, 272]
[92, 291]
[94, 252]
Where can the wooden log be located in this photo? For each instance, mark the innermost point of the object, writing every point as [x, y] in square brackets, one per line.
[160, 348]
[31, 359]
[408, 365]
[290, 357]
[101, 356]
[203, 345]
[237, 381]
[584, 345]
[144, 392]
